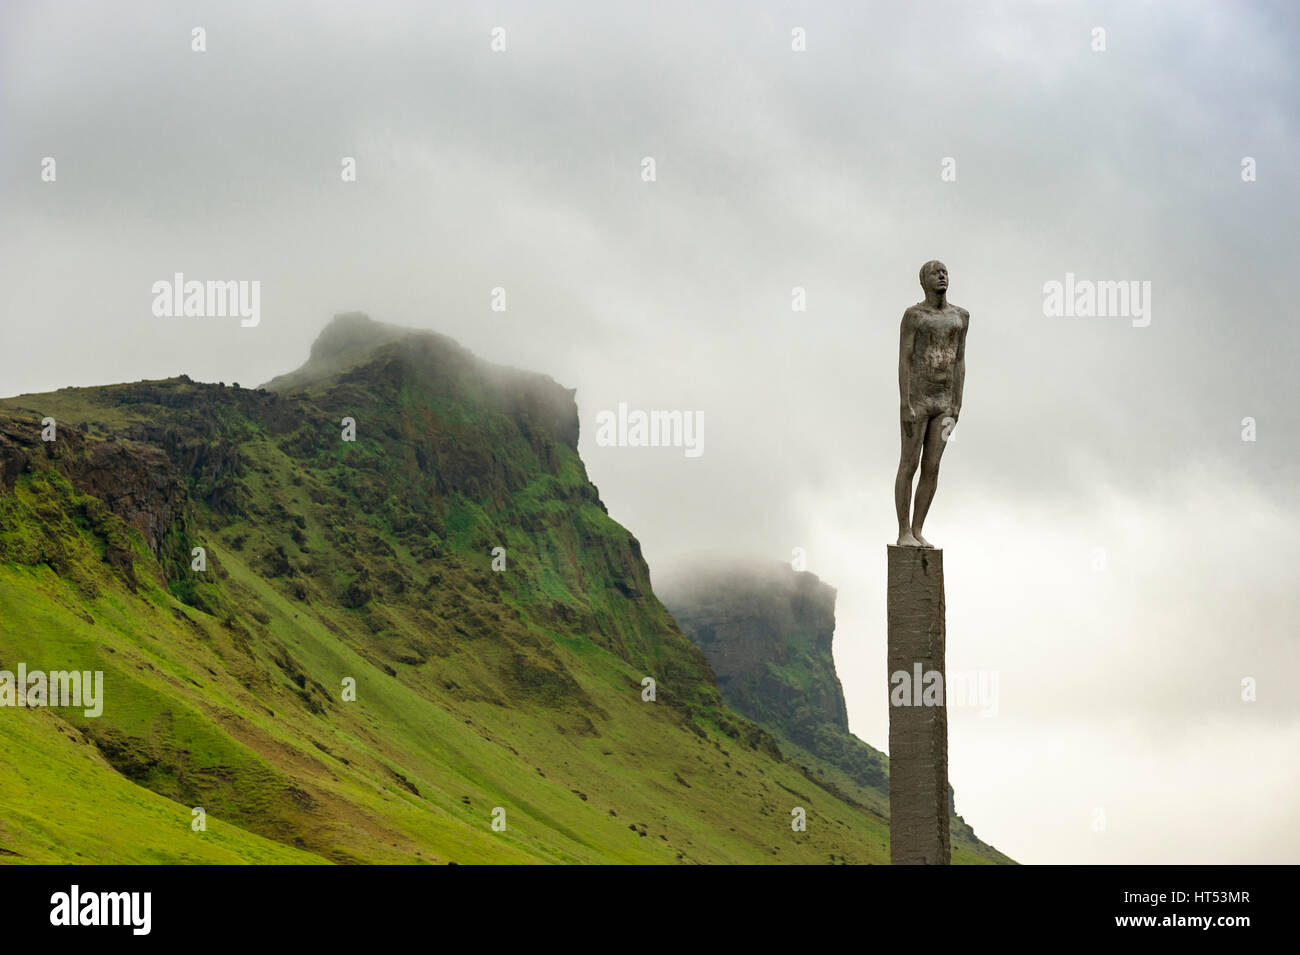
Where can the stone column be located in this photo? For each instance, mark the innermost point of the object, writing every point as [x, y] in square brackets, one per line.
[918, 734]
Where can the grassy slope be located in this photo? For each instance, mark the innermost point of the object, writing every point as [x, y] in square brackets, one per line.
[474, 690]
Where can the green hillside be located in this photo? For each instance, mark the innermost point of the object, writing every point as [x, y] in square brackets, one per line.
[331, 561]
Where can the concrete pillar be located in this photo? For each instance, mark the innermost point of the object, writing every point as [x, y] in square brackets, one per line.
[918, 734]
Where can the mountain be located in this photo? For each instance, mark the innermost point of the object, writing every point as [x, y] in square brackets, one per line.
[767, 631]
[428, 644]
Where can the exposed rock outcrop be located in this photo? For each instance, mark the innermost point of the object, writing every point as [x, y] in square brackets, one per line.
[767, 632]
[134, 481]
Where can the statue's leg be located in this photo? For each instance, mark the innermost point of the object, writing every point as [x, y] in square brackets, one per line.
[935, 442]
[913, 441]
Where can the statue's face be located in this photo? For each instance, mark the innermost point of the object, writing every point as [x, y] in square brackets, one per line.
[936, 278]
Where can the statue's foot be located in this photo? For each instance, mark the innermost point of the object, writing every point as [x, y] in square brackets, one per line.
[907, 540]
[921, 541]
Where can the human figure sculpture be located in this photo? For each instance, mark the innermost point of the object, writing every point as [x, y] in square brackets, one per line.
[931, 373]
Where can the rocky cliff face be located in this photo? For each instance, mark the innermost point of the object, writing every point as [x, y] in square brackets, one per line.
[767, 632]
[109, 487]
[135, 482]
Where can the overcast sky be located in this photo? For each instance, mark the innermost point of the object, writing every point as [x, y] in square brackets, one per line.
[1119, 669]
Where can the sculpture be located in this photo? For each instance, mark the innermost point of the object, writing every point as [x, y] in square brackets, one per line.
[931, 373]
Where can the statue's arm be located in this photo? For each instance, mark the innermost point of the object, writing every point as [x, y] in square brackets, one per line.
[906, 343]
[959, 378]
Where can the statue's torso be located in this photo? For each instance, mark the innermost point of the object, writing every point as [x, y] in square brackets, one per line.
[934, 357]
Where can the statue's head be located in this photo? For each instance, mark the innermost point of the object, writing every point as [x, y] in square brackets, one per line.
[934, 276]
